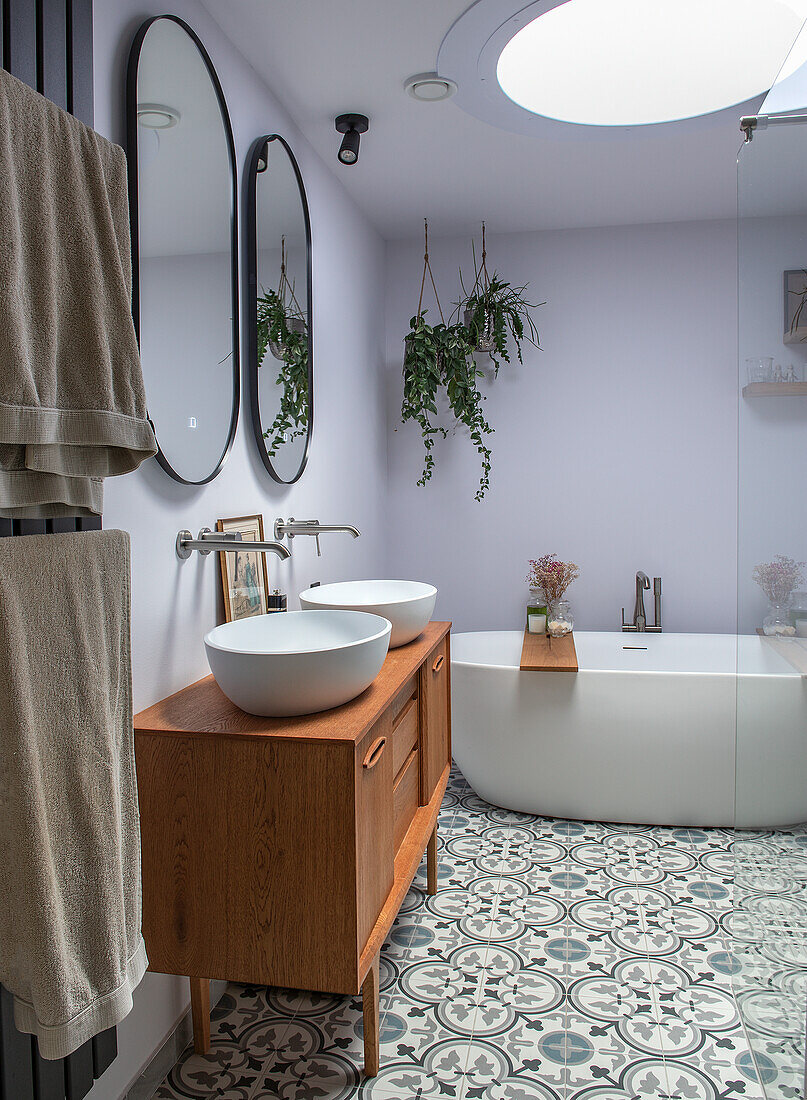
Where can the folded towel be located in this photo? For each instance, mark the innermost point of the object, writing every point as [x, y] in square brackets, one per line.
[72, 403]
[71, 949]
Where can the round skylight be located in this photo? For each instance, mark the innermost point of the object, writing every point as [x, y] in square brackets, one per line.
[634, 62]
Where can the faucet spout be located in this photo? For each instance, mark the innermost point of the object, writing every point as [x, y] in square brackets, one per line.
[223, 543]
[293, 527]
[639, 616]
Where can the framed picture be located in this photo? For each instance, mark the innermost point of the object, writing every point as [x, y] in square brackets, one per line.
[795, 306]
[243, 573]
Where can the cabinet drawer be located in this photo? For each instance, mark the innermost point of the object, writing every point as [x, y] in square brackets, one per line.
[405, 799]
[404, 736]
[401, 701]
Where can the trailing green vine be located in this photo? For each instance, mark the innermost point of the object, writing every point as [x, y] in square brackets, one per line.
[282, 329]
[437, 358]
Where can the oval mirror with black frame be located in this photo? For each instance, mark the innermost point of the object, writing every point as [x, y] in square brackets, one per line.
[183, 200]
[279, 339]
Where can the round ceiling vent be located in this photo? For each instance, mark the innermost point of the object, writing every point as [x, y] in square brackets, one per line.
[430, 87]
[156, 116]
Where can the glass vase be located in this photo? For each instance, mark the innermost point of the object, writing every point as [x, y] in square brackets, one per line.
[536, 612]
[778, 622]
[561, 620]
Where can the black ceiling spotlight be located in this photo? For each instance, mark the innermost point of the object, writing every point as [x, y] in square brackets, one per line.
[352, 126]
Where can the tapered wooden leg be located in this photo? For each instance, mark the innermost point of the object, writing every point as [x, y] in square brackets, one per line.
[431, 864]
[200, 1012]
[369, 1003]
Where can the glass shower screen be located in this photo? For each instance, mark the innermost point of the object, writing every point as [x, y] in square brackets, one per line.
[766, 930]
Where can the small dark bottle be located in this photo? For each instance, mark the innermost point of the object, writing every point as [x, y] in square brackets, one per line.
[276, 601]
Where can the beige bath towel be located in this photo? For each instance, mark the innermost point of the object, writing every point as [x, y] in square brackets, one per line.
[72, 403]
[71, 950]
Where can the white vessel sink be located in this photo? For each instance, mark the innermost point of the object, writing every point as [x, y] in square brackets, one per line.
[407, 604]
[297, 662]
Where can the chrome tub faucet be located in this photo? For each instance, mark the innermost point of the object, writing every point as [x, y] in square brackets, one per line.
[639, 624]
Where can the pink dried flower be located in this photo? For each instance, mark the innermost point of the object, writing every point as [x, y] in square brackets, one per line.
[778, 578]
[552, 576]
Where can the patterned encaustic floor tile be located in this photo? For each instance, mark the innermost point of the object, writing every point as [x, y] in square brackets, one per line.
[561, 960]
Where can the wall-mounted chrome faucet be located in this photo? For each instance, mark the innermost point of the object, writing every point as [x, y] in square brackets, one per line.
[639, 624]
[221, 542]
[292, 527]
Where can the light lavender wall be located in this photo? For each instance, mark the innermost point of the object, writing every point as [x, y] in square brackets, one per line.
[615, 446]
[175, 603]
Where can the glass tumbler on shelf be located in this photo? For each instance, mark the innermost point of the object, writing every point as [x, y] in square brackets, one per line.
[778, 622]
[798, 613]
[760, 370]
[561, 620]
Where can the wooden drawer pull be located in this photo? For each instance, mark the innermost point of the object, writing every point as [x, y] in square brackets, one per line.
[438, 664]
[374, 752]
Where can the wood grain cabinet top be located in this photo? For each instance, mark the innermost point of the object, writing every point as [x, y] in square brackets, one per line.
[203, 708]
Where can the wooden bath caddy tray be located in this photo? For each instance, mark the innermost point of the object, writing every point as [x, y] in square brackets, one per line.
[540, 653]
[793, 649]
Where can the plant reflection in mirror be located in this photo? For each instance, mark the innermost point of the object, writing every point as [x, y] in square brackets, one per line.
[283, 331]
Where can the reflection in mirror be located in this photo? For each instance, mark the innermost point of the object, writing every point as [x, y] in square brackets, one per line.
[182, 195]
[280, 345]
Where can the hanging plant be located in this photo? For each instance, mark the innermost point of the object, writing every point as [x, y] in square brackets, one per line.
[283, 331]
[440, 358]
[495, 308]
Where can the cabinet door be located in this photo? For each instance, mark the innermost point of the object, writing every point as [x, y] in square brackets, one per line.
[374, 806]
[436, 717]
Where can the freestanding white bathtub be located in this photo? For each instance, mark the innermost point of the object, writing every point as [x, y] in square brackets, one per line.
[650, 735]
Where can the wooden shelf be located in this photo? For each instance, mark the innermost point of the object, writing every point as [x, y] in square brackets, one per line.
[791, 647]
[775, 389]
[540, 653]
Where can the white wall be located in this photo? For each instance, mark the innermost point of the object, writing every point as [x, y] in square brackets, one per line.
[175, 603]
[615, 446]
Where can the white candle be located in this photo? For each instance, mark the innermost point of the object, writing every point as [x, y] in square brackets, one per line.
[537, 624]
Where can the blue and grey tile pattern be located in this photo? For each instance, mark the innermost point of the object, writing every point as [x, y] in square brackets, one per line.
[560, 961]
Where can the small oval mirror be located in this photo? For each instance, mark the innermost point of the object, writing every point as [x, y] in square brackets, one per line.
[280, 346]
[183, 201]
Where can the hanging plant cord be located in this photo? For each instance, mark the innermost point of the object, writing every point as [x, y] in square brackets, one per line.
[428, 267]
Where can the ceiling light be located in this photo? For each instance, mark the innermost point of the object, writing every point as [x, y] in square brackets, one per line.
[156, 116]
[634, 62]
[429, 87]
[352, 126]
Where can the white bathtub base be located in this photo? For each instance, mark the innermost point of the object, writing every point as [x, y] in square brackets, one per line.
[631, 744]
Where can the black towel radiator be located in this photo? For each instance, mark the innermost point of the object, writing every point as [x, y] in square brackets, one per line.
[48, 44]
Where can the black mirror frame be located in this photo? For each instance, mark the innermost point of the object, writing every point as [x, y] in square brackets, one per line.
[252, 304]
[131, 153]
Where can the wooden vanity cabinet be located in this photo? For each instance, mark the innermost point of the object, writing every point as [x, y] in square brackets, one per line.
[279, 851]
